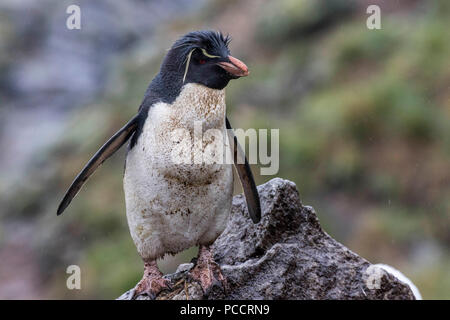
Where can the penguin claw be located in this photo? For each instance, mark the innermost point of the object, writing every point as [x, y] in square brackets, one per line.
[152, 283]
[210, 278]
[207, 272]
[151, 286]
[216, 285]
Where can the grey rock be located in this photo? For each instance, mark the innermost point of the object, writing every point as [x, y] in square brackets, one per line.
[184, 267]
[287, 255]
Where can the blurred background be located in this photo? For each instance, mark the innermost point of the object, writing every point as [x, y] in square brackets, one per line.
[364, 119]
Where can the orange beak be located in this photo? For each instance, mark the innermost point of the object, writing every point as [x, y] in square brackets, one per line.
[236, 67]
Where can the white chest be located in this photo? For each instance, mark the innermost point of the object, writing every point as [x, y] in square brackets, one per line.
[196, 103]
[172, 206]
[176, 138]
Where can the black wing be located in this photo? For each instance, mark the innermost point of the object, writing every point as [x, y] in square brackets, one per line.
[246, 176]
[108, 149]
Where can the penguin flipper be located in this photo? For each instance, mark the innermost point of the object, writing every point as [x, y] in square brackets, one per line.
[245, 175]
[108, 149]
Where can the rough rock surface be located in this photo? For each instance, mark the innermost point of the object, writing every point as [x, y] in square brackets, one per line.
[286, 256]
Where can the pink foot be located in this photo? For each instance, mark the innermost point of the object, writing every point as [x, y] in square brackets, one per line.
[152, 283]
[207, 272]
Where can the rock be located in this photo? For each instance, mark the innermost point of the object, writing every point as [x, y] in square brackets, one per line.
[286, 256]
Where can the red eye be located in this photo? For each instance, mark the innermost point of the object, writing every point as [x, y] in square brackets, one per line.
[202, 61]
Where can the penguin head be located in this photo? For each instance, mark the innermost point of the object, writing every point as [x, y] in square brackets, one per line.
[203, 57]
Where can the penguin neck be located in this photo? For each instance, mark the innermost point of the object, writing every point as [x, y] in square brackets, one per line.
[197, 102]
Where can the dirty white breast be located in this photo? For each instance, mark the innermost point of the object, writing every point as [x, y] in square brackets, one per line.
[174, 200]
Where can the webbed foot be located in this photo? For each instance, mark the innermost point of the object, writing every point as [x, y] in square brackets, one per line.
[152, 283]
[207, 272]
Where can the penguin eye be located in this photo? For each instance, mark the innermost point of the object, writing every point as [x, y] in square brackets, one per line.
[202, 61]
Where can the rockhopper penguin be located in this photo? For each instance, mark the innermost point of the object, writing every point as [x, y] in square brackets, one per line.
[172, 206]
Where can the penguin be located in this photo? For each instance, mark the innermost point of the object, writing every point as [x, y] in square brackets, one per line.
[173, 205]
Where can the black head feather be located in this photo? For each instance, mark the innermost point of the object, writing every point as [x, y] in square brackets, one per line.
[193, 58]
[214, 42]
[191, 48]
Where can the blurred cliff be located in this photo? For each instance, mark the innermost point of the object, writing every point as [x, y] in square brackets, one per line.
[364, 118]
